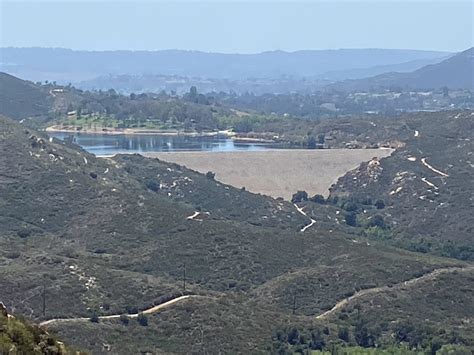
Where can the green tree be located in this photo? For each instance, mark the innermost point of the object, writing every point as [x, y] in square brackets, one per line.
[299, 197]
[317, 341]
[321, 138]
[293, 336]
[311, 142]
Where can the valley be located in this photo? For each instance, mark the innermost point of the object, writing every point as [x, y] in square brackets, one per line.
[330, 222]
[131, 228]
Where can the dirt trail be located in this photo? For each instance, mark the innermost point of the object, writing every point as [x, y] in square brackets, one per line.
[429, 183]
[300, 210]
[429, 276]
[151, 310]
[194, 215]
[423, 161]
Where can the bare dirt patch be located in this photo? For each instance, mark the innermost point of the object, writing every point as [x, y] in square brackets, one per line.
[276, 173]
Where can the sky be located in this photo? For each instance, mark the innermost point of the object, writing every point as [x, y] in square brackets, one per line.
[241, 26]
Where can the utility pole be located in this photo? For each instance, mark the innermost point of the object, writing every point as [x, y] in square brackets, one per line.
[294, 303]
[184, 277]
[44, 299]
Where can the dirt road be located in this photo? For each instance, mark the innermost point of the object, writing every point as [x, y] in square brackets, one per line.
[151, 310]
[360, 294]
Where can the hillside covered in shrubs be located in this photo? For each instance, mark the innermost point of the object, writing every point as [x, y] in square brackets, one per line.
[84, 237]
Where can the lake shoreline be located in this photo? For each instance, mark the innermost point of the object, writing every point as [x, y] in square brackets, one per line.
[136, 131]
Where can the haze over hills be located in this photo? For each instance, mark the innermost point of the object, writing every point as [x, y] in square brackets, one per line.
[66, 65]
[456, 72]
[152, 83]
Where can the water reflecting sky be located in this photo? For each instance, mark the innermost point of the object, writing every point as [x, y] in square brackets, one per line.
[112, 144]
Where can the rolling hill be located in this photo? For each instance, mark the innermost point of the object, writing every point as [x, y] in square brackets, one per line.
[21, 99]
[456, 72]
[433, 183]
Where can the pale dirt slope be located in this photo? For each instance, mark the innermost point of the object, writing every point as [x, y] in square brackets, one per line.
[276, 173]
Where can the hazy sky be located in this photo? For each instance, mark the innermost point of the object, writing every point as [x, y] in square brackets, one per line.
[237, 26]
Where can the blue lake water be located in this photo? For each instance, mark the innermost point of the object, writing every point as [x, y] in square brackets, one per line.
[113, 144]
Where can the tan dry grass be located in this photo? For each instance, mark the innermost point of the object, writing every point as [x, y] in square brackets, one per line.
[276, 173]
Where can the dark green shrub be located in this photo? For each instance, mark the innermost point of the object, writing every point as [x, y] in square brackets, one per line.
[377, 221]
[343, 334]
[351, 219]
[299, 197]
[318, 199]
[132, 310]
[142, 319]
[124, 319]
[349, 206]
[94, 318]
[379, 204]
[152, 185]
[24, 233]
[293, 336]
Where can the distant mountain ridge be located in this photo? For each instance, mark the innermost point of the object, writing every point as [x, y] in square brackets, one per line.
[154, 83]
[68, 65]
[360, 73]
[456, 72]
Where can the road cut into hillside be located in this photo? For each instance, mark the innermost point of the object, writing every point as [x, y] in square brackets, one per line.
[279, 172]
[151, 310]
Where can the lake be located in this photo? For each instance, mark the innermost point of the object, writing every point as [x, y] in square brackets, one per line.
[107, 144]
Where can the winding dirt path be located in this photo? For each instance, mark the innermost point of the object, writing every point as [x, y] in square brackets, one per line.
[429, 276]
[300, 210]
[151, 310]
